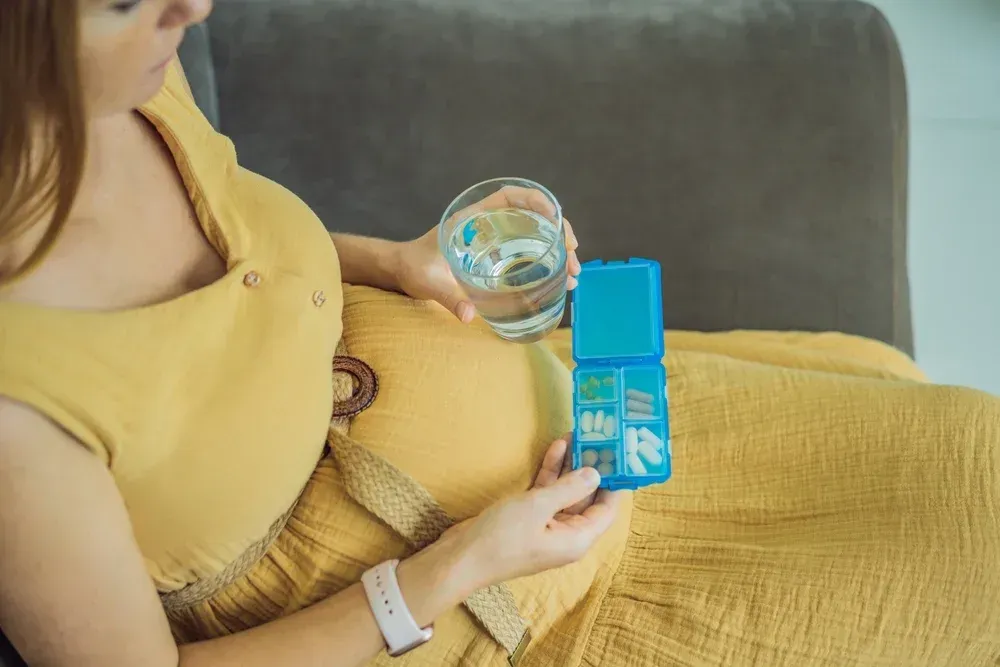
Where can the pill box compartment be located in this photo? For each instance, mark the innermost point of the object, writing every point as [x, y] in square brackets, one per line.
[651, 446]
[598, 422]
[606, 458]
[643, 391]
[618, 334]
[596, 386]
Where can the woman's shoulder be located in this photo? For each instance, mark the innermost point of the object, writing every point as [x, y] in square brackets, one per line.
[26, 426]
[31, 417]
[176, 89]
[175, 114]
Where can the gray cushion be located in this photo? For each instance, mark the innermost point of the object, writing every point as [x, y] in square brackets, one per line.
[196, 57]
[757, 150]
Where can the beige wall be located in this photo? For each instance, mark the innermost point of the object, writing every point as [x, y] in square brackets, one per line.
[952, 53]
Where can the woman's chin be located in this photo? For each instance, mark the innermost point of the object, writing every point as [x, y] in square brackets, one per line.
[154, 82]
[151, 84]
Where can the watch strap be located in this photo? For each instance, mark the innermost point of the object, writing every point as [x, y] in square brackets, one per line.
[399, 629]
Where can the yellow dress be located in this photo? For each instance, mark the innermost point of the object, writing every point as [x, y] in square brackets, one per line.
[828, 506]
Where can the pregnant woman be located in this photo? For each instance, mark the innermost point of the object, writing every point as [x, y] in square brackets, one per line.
[216, 421]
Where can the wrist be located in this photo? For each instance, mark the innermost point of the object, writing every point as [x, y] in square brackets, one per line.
[437, 579]
[392, 264]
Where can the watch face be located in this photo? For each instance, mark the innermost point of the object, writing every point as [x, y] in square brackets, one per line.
[426, 633]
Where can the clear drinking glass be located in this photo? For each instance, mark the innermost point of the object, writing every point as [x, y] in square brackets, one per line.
[505, 244]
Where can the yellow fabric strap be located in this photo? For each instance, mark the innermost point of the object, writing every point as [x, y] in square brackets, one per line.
[406, 507]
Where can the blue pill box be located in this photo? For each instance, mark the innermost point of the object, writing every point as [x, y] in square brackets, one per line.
[621, 422]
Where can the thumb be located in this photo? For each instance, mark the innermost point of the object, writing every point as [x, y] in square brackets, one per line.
[567, 490]
[452, 298]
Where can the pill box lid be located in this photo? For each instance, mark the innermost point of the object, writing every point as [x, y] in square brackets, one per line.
[617, 312]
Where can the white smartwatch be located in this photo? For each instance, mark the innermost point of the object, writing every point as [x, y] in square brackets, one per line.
[400, 631]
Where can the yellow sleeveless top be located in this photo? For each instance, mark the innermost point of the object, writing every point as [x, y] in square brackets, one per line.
[210, 410]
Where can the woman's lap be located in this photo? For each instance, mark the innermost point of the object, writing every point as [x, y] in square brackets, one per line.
[815, 516]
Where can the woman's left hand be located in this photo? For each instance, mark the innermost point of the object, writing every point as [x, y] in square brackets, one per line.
[423, 272]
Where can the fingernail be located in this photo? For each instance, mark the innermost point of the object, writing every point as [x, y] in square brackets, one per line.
[466, 312]
[590, 476]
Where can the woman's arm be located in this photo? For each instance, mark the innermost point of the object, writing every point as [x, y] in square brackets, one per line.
[369, 261]
[418, 268]
[74, 589]
[339, 630]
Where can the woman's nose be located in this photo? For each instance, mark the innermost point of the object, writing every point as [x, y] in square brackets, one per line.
[183, 13]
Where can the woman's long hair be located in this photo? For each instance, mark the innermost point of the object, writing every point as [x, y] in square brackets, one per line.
[42, 121]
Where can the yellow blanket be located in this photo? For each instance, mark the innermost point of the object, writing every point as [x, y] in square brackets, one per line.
[828, 507]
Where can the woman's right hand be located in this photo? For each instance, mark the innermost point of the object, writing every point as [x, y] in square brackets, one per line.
[553, 524]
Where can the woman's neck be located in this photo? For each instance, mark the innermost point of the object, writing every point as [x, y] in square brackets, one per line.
[109, 139]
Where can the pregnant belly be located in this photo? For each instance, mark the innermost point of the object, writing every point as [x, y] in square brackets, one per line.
[470, 416]
[465, 413]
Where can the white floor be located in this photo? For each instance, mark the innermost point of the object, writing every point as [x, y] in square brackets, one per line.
[951, 49]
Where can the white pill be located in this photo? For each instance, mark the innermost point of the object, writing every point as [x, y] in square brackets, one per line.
[606, 469]
[637, 415]
[610, 426]
[587, 421]
[599, 421]
[637, 395]
[631, 440]
[607, 455]
[650, 452]
[589, 457]
[592, 436]
[639, 406]
[635, 465]
[646, 434]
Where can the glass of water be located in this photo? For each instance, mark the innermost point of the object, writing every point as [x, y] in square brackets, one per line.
[505, 244]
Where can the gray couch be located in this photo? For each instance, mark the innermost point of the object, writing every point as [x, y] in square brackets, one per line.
[756, 148]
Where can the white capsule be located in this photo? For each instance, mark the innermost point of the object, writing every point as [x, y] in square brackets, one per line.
[631, 440]
[592, 436]
[610, 426]
[639, 406]
[637, 395]
[650, 452]
[637, 415]
[587, 421]
[589, 457]
[599, 421]
[635, 465]
[646, 434]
